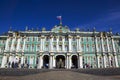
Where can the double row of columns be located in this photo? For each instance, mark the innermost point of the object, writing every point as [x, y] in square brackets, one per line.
[104, 55]
[9, 58]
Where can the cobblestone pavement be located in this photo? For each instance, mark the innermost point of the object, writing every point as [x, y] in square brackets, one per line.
[60, 75]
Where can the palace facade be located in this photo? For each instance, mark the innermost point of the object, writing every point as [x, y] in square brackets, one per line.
[59, 48]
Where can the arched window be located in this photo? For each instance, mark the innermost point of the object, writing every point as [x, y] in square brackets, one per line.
[60, 38]
[47, 38]
[54, 38]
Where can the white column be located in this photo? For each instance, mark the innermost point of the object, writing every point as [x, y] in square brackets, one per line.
[7, 44]
[13, 42]
[22, 60]
[70, 44]
[98, 61]
[108, 47]
[57, 45]
[114, 52]
[18, 45]
[38, 66]
[96, 43]
[54, 61]
[77, 39]
[51, 62]
[79, 46]
[31, 61]
[113, 45]
[109, 60]
[63, 45]
[116, 61]
[51, 43]
[80, 61]
[67, 63]
[70, 62]
[4, 61]
[10, 59]
[103, 52]
[24, 44]
[41, 44]
[104, 61]
[40, 62]
[102, 45]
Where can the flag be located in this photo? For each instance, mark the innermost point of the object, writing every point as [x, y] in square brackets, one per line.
[59, 17]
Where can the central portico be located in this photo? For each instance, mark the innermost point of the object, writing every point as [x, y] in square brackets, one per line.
[60, 54]
[59, 60]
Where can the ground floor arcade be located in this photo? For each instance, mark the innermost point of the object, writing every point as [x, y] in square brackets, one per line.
[58, 60]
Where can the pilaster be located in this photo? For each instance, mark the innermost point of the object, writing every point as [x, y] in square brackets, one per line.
[70, 43]
[80, 60]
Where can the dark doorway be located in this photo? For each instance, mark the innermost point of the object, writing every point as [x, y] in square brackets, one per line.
[74, 61]
[60, 61]
[45, 61]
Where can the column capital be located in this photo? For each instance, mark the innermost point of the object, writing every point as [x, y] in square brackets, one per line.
[42, 36]
[79, 51]
[57, 37]
[51, 54]
[5, 54]
[51, 36]
[80, 54]
[78, 37]
[68, 54]
[69, 36]
[114, 54]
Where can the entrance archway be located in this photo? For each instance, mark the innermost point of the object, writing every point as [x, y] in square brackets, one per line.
[60, 61]
[45, 61]
[74, 61]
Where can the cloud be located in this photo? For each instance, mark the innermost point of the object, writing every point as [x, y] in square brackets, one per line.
[109, 20]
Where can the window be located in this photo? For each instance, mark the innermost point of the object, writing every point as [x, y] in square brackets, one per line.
[3, 41]
[73, 38]
[82, 39]
[92, 38]
[21, 46]
[15, 45]
[27, 47]
[66, 39]
[87, 48]
[93, 47]
[10, 39]
[98, 39]
[82, 46]
[54, 47]
[47, 48]
[66, 48]
[38, 38]
[33, 38]
[32, 47]
[28, 39]
[60, 47]
[47, 38]
[74, 48]
[87, 39]
[9, 45]
[60, 39]
[38, 46]
[110, 46]
[54, 38]
[22, 38]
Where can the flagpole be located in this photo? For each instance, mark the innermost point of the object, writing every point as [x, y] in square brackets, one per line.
[60, 18]
[61, 21]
